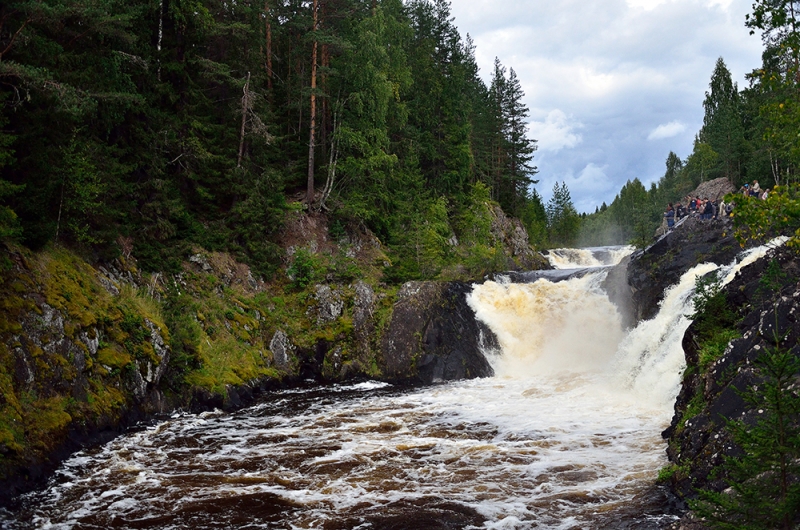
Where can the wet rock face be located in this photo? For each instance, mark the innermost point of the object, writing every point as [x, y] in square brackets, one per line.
[433, 335]
[698, 439]
[363, 324]
[281, 347]
[661, 265]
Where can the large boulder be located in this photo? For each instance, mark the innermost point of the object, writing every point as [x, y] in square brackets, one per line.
[661, 265]
[714, 189]
[433, 336]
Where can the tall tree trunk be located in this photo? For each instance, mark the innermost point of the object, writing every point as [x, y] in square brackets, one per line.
[324, 118]
[245, 110]
[313, 124]
[160, 36]
[268, 30]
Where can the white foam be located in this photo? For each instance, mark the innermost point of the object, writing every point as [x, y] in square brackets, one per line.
[578, 258]
[570, 426]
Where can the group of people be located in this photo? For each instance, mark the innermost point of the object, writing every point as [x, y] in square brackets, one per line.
[696, 207]
[754, 190]
[708, 209]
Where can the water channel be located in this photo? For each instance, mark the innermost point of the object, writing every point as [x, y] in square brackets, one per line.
[566, 435]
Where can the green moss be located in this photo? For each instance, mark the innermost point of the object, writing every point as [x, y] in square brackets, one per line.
[104, 400]
[46, 421]
[113, 357]
[668, 472]
[694, 407]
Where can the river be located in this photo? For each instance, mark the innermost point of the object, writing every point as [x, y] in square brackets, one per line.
[566, 435]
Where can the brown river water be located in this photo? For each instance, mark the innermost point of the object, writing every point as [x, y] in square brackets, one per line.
[566, 435]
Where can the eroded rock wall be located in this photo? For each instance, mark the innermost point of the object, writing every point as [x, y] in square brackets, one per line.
[766, 299]
[433, 336]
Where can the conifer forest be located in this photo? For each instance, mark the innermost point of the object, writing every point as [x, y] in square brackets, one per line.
[157, 127]
[161, 125]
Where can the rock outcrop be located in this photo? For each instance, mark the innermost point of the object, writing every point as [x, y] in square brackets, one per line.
[766, 297]
[661, 265]
[514, 239]
[433, 336]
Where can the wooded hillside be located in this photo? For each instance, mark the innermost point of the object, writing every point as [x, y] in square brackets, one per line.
[154, 126]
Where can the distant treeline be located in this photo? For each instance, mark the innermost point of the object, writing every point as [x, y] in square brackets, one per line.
[749, 134]
[155, 126]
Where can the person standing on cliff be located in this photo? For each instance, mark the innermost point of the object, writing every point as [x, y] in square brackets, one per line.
[755, 190]
[670, 215]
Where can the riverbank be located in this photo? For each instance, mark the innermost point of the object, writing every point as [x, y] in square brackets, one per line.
[88, 350]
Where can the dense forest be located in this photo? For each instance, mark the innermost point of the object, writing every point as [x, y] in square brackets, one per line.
[156, 126]
[748, 134]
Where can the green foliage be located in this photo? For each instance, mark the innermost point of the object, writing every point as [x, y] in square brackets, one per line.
[714, 346]
[721, 146]
[180, 138]
[713, 315]
[563, 220]
[756, 220]
[304, 268]
[667, 473]
[764, 491]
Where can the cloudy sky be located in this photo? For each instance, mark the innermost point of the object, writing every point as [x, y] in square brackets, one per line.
[612, 85]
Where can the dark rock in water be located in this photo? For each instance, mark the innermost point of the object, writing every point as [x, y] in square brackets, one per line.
[692, 242]
[767, 300]
[619, 292]
[433, 335]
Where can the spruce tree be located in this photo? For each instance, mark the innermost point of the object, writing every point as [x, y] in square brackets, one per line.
[763, 479]
[722, 123]
[563, 220]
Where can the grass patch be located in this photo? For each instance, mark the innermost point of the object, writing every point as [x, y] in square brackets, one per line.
[713, 347]
[228, 362]
[695, 407]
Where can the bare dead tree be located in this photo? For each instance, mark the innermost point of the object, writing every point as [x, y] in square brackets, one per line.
[246, 104]
[313, 125]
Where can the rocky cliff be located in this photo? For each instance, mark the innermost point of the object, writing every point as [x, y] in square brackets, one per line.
[764, 299]
[87, 351]
[661, 265]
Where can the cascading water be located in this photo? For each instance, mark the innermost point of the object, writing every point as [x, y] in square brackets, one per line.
[565, 436]
[575, 258]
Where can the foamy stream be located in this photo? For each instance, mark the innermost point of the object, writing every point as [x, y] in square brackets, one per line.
[566, 435]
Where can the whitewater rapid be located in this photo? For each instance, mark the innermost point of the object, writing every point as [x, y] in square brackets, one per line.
[566, 435]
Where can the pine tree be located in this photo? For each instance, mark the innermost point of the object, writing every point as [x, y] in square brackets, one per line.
[722, 123]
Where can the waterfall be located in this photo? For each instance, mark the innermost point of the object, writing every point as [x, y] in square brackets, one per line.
[571, 327]
[576, 258]
[566, 435]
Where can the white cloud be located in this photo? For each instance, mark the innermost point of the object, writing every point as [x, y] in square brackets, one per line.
[647, 5]
[591, 178]
[667, 130]
[612, 70]
[555, 132]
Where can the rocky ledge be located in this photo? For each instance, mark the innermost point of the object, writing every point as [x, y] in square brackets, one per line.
[89, 352]
[765, 299]
[693, 241]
